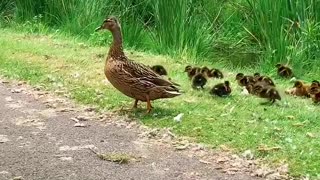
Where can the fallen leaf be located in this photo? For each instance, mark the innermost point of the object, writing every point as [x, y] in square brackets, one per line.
[293, 79]
[298, 124]
[222, 160]
[204, 161]
[80, 125]
[290, 117]
[231, 169]
[310, 135]
[65, 110]
[16, 90]
[83, 118]
[264, 148]
[182, 147]
[21, 83]
[90, 109]
[5, 82]
[3, 138]
[8, 99]
[120, 158]
[18, 178]
[248, 154]
[178, 117]
[244, 92]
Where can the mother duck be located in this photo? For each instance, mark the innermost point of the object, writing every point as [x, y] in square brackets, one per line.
[133, 79]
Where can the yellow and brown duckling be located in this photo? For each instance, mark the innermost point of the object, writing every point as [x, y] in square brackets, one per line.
[314, 91]
[314, 86]
[215, 73]
[284, 70]
[221, 89]
[159, 69]
[133, 79]
[301, 89]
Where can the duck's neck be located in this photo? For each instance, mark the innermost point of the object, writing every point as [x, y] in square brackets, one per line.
[116, 49]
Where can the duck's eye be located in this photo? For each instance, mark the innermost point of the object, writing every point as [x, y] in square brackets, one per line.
[107, 20]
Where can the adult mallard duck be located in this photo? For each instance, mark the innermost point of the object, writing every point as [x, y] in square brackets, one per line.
[133, 79]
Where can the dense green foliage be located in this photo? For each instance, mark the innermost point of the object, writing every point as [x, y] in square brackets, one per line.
[242, 31]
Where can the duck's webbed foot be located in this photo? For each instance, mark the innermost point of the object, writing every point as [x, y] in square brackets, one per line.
[149, 106]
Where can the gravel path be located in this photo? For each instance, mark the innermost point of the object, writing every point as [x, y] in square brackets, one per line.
[42, 137]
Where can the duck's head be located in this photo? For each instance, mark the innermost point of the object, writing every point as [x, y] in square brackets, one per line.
[315, 83]
[256, 75]
[278, 65]
[227, 83]
[111, 23]
[239, 76]
[187, 68]
[205, 69]
[298, 84]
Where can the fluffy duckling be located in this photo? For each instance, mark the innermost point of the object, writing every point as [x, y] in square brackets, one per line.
[315, 85]
[267, 80]
[284, 71]
[244, 80]
[205, 69]
[315, 91]
[255, 88]
[267, 92]
[191, 71]
[256, 76]
[301, 89]
[159, 69]
[315, 95]
[215, 73]
[316, 98]
[221, 89]
[199, 81]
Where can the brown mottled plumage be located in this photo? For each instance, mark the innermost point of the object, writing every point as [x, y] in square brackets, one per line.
[244, 80]
[215, 73]
[263, 90]
[192, 71]
[284, 71]
[222, 89]
[301, 89]
[314, 87]
[159, 69]
[133, 79]
[315, 91]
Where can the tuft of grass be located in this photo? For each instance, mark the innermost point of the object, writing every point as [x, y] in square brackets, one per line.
[120, 158]
[238, 122]
[288, 31]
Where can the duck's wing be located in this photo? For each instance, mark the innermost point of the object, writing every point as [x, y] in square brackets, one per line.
[145, 73]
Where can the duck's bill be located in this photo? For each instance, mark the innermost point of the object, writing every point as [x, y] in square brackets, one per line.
[98, 28]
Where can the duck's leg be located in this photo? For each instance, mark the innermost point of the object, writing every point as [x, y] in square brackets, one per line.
[149, 106]
[135, 105]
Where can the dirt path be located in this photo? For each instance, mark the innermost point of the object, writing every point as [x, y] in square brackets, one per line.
[39, 140]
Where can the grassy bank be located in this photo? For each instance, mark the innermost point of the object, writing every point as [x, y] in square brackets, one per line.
[238, 122]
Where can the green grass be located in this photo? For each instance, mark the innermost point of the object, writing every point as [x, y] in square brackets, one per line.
[288, 31]
[238, 122]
